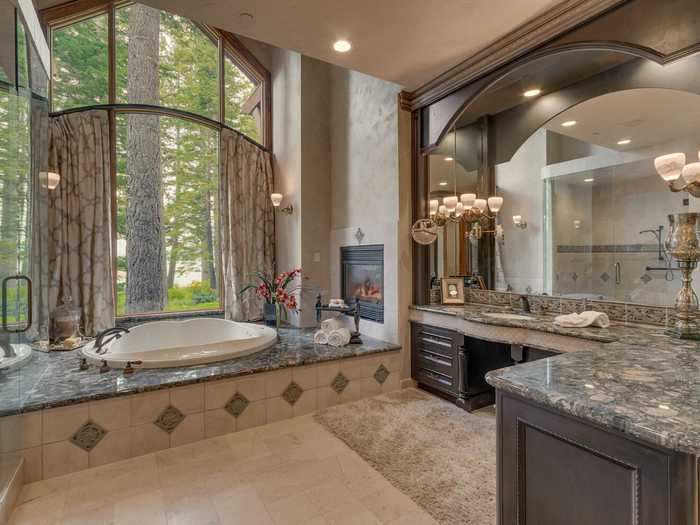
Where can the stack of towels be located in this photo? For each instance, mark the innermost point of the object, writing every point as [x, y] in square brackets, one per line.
[582, 320]
[332, 333]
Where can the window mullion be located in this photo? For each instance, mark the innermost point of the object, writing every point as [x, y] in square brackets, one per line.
[111, 49]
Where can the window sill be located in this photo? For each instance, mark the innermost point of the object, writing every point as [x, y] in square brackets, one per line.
[133, 320]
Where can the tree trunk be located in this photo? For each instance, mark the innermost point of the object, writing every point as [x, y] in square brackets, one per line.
[144, 215]
[208, 262]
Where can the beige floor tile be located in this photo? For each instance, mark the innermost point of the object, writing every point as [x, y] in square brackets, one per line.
[33, 458]
[389, 504]
[328, 496]
[241, 505]
[40, 511]
[103, 515]
[414, 518]
[41, 489]
[147, 508]
[299, 509]
[351, 514]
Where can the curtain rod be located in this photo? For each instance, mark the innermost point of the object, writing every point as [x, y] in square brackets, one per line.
[147, 108]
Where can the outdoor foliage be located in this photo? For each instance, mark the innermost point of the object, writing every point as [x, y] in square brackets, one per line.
[167, 167]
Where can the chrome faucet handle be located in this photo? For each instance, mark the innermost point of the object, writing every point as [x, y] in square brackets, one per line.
[105, 367]
[129, 367]
[83, 364]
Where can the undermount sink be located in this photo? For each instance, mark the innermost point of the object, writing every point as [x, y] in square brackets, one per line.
[513, 317]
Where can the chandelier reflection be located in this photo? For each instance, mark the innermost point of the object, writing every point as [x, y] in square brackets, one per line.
[473, 212]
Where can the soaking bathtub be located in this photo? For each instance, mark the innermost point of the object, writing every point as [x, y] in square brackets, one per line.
[166, 344]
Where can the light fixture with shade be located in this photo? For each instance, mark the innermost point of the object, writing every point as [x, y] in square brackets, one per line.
[433, 206]
[678, 175]
[49, 179]
[450, 203]
[519, 222]
[495, 204]
[276, 199]
[480, 204]
[459, 209]
[468, 200]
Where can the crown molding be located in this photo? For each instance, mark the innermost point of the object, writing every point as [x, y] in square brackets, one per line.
[562, 18]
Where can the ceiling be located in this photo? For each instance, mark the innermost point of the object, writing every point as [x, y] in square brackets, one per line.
[408, 42]
[647, 117]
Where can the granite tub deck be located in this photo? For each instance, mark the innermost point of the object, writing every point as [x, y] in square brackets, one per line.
[61, 419]
[644, 384]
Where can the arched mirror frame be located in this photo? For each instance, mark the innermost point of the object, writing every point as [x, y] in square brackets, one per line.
[676, 77]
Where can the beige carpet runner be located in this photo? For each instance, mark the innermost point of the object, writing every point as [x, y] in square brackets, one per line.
[442, 457]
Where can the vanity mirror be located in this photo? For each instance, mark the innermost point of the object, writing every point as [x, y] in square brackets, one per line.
[567, 140]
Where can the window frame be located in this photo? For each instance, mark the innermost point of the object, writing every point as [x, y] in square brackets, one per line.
[71, 12]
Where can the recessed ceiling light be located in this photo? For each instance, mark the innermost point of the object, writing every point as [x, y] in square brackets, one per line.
[623, 142]
[588, 180]
[443, 183]
[532, 93]
[568, 123]
[449, 159]
[342, 46]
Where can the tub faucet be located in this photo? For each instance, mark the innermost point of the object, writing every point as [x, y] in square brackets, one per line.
[524, 303]
[6, 346]
[100, 342]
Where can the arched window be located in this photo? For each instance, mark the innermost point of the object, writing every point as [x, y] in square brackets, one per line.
[170, 85]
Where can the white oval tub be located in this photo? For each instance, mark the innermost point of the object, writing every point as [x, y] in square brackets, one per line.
[164, 344]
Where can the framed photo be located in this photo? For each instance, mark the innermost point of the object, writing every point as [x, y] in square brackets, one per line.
[453, 290]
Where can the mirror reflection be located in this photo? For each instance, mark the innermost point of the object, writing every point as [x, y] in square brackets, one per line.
[584, 212]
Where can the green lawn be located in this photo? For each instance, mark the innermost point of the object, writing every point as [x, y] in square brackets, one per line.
[197, 296]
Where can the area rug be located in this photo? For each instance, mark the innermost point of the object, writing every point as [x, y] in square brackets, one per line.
[440, 456]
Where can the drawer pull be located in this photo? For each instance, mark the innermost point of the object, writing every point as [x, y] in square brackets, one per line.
[436, 376]
[434, 341]
[435, 358]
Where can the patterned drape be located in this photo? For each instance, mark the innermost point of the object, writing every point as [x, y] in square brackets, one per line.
[247, 223]
[79, 217]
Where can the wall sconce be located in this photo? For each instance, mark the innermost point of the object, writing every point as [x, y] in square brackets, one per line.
[49, 179]
[577, 224]
[519, 222]
[677, 174]
[276, 199]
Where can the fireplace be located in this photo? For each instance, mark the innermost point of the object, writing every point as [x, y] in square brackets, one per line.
[362, 279]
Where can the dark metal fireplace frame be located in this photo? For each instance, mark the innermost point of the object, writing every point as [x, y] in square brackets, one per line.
[371, 254]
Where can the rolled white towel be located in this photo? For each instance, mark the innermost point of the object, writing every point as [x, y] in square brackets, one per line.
[332, 323]
[340, 337]
[582, 320]
[599, 319]
[321, 338]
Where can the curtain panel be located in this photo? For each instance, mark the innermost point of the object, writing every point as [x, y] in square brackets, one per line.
[79, 217]
[247, 222]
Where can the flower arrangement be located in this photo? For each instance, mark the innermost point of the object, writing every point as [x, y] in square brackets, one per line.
[279, 293]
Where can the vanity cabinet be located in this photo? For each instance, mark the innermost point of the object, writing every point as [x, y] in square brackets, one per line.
[556, 469]
[525, 354]
[454, 366]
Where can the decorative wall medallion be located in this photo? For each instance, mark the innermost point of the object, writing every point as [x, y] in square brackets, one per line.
[340, 383]
[359, 235]
[646, 278]
[237, 404]
[574, 276]
[292, 393]
[381, 374]
[88, 436]
[604, 277]
[169, 419]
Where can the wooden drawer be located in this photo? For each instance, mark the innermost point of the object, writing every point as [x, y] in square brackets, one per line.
[434, 357]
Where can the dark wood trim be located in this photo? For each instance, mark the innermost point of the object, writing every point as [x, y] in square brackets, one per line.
[70, 12]
[419, 193]
[527, 37]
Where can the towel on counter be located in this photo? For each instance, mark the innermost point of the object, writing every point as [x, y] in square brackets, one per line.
[321, 338]
[582, 320]
[340, 337]
[333, 323]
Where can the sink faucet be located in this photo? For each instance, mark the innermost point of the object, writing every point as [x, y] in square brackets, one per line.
[524, 303]
[100, 342]
[6, 346]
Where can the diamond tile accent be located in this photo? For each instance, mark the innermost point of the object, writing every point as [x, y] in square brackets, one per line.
[605, 277]
[646, 278]
[381, 374]
[574, 276]
[340, 383]
[169, 419]
[292, 393]
[237, 404]
[88, 436]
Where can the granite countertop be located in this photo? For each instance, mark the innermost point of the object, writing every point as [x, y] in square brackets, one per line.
[642, 383]
[53, 379]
